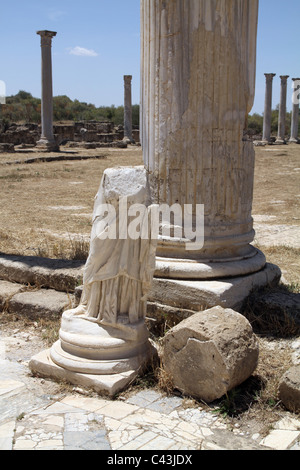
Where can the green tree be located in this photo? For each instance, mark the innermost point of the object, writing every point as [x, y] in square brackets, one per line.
[255, 123]
[23, 107]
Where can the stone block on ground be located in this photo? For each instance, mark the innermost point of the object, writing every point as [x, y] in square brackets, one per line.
[275, 309]
[58, 274]
[199, 295]
[289, 389]
[7, 291]
[7, 148]
[210, 353]
[39, 303]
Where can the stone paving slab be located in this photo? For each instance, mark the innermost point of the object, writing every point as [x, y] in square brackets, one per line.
[82, 423]
[30, 419]
[77, 422]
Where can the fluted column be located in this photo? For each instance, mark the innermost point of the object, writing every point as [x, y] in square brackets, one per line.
[47, 141]
[282, 110]
[2, 93]
[295, 111]
[127, 109]
[268, 107]
[198, 64]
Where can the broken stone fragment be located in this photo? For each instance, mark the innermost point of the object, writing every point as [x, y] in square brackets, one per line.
[210, 353]
[289, 389]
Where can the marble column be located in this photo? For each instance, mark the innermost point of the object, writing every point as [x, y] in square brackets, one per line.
[47, 141]
[268, 107]
[295, 111]
[127, 110]
[2, 93]
[282, 111]
[2, 98]
[198, 65]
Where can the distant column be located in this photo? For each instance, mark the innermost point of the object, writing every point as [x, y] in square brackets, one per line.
[127, 110]
[268, 107]
[47, 141]
[295, 112]
[282, 110]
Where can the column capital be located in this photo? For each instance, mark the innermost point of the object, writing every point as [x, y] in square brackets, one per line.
[46, 37]
[284, 77]
[295, 79]
[127, 78]
[270, 76]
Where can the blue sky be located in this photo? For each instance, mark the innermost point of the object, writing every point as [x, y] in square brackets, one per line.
[98, 42]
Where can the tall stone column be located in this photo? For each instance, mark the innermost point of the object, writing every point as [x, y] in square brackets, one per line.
[268, 107]
[127, 109]
[282, 110]
[197, 87]
[47, 141]
[295, 112]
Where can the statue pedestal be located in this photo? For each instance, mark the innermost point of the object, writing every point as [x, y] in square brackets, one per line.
[104, 359]
[43, 365]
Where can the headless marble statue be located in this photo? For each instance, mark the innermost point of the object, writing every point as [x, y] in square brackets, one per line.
[106, 334]
[118, 272]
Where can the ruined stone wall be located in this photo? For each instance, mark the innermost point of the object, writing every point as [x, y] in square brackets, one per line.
[85, 131]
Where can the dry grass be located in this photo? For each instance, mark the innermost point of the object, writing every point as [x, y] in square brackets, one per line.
[287, 258]
[46, 208]
[276, 184]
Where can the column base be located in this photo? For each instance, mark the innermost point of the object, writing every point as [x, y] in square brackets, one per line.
[280, 141]
[128, 141]
[47, 146]
[174, 268]
[187, 296]
[294, 141]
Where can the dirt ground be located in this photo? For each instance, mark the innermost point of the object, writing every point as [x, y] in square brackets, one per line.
[46, 210]
[46, 207]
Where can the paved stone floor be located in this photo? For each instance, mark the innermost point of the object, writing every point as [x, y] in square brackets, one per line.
[31, 419]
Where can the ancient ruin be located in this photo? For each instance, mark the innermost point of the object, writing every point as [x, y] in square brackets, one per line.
[210, 353]
[47, 141]
[295, 113]
[268, 108]
[195, 148]
[127, 110]
[195, 154]
[282, 111]
[82, 134]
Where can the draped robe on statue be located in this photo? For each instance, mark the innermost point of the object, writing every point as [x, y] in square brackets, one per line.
[118, 272]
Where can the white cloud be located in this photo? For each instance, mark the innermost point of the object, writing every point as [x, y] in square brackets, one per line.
[82, 51]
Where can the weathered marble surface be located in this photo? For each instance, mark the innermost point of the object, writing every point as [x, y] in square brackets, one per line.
[295, 112]
[198, 75]
[128, 110]
[282, 110]
[268, 108]
[47, 141]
